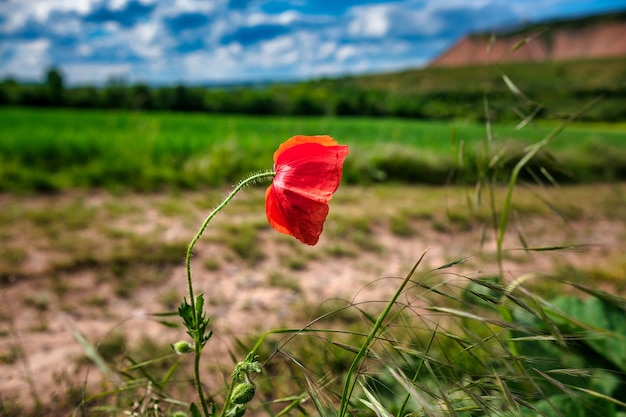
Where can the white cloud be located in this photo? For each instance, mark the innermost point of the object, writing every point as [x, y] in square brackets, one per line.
[27, 59]
[198, 65]
[121, 4]
[85, 49]
[40, 9]
[143, 39]
[221, 64]
[280, 51]
[65, 27]
[117, 4]
[369, 21]
[284, 18]
[278, 45]
[288, 17]
[187, 6]
[416, 22]
[86, 73]
[345, 52]
[326, 49]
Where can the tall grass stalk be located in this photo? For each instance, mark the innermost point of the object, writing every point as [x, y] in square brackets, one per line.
[531, 152]
[350, 382]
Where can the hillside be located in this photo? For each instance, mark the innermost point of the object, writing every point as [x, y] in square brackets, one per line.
[599, 36]
[559, 66]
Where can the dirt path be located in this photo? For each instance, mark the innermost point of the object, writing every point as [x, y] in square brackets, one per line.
[98, 264]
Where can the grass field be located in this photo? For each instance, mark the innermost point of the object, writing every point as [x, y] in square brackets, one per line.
[47, 150]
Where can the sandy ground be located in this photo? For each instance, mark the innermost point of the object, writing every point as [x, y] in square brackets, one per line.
[43, 306]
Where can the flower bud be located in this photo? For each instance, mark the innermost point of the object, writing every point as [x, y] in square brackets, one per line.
[182, 347]
[243, 393]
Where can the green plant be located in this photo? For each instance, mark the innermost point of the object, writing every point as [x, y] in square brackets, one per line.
[280, 280]
[11, 356]
[400, 225]
[112, 347]
[212, 265]
[40, 301]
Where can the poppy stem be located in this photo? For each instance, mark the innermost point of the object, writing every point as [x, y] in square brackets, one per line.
[199, 339]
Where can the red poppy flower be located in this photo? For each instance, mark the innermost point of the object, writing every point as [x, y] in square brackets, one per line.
[308, 170]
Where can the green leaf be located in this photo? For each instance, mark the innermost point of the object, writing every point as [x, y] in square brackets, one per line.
[569, 338]
[169, 324]
[200, 305]
[194, 411]
[92, 353]
[604, 324]
[186, 313]
[165, 379]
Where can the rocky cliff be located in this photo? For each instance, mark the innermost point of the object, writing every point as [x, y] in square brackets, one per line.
[585, 38]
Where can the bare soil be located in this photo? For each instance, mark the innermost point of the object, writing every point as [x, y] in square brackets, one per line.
[96, 264]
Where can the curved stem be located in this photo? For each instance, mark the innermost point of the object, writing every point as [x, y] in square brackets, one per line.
[198, 345]
[244, 183]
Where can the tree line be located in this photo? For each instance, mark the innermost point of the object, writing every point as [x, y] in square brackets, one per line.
[444, 97]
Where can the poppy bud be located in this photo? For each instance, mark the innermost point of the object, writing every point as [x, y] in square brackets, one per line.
[182, 347]
[243, 393]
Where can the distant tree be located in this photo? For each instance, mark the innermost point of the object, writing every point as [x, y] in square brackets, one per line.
[32, 95]
[308, 99]
[7, 86]
[217, 100]
[255, 102]
[180, 98]
[141, 97]
[84, 97]
[115, 93]
[348, 102]
[163, 98]
[187, 99]
[54, 87]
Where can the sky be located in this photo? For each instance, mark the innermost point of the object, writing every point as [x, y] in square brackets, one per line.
[225, 41]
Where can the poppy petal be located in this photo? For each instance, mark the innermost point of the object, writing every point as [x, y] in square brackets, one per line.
[298, 140]
[308, 172]
[295, 215]
[311, 170]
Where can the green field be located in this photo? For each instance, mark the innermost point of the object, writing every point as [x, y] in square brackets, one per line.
[52, 149]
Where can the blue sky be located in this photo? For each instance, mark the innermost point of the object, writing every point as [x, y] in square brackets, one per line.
[202, 41]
